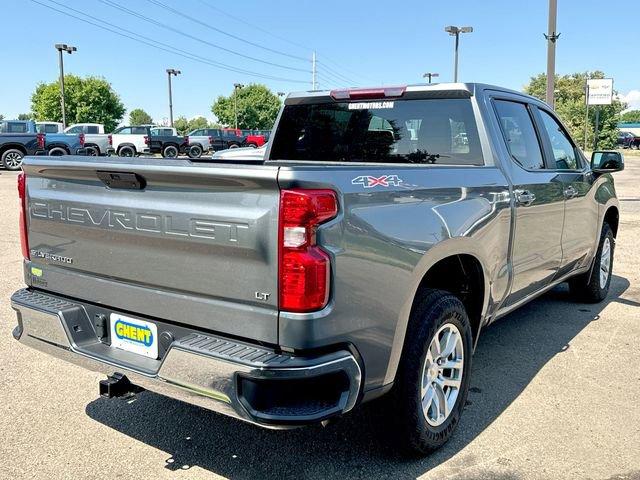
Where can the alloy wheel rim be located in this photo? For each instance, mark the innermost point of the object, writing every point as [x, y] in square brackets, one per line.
[13, 159]
[441, 378]
[605, 262]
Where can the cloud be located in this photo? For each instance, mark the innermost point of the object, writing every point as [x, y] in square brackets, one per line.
[632, 99]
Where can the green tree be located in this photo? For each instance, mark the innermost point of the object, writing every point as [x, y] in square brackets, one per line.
[138, 116]
[25, 116]
[198, 122]
[181, 124]
[257, 107]
[571, 108]
[1, 117]
[632, 116]
[87, 100]
[184, 126]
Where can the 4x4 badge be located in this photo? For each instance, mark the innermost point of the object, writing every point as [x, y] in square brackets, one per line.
[368, 181]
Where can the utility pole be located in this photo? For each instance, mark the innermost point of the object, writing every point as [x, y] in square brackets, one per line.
[586, 114]
[171, 71]
[551, 37]
[314, 72]
[63, 47]
[236, 87]
[430, 75]
[455, 32]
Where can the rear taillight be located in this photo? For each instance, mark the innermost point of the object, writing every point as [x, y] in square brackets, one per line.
[22, 194]
[186, 139]
[210, 139]
[364, 93]
[146, 140]
[40, 139]
[110, 140]
[81, 136]
[304, 268]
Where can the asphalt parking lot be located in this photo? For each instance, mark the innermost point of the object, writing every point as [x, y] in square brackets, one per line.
[555, 394]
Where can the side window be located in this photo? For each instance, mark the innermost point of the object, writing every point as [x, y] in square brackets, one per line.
[16, 127]
[76, 129]
[124, 131]
[519, 134]
[139, 130]
[50, 128]
[197, 133]
[564, 152]
[92, 129]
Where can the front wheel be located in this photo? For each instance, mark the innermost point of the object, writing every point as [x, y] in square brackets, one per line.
[170, 151]
[92, 151]
[593, 286]
[12, 159]
[126, 151]
[195, 151]
[57, 152]
[432, 382]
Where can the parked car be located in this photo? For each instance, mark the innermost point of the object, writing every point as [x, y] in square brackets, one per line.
[253, 140]
[55, 143]
[242, 153]
[357, 262]
[130, 141]
[169, 146]
[15, 144]
[96, 142]
[215, 139]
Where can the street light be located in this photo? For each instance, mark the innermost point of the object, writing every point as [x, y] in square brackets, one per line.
[236, 87]
[63, 47]
[430, 75]
[455, 32]
[171, 71]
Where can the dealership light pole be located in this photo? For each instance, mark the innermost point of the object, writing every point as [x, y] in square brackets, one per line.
[63, 47]
[236, 87]
[171, 71]
[551, 37]
[430, 75]
[455, 32]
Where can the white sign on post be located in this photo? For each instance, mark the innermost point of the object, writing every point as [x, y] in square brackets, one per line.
[600, 91]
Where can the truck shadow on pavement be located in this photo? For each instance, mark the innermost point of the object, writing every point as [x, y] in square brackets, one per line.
[510, 354]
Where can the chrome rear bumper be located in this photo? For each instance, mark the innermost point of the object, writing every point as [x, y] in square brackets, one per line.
[249, 382]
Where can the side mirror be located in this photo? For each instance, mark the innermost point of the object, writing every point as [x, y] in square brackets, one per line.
[607, 162]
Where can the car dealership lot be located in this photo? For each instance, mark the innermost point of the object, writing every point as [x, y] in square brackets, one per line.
[555, 394]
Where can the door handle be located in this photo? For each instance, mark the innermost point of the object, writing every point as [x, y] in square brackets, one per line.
[570, 192]
[524, 197]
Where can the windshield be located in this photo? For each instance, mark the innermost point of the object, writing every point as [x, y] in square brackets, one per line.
[437, 131]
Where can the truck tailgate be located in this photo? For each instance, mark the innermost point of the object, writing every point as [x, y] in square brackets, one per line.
[197, 245]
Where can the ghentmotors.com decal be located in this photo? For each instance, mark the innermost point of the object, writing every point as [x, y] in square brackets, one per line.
[368, 181]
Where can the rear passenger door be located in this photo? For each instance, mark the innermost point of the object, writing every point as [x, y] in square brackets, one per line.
[581, 210]
[539, 210]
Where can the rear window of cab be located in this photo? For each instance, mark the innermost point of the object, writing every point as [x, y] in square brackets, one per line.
[417, 131]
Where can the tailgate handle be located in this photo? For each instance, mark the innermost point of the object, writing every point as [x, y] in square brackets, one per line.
[125, 180]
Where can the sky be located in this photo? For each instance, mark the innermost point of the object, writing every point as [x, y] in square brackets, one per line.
[357, 43]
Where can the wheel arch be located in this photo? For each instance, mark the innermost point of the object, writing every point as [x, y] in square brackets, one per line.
[127, 144]
[463, 256]
[612, 217]
[13, 146]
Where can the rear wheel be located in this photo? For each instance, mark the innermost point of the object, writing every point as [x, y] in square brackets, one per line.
[432, 382]
[126, 151]
[195, 151]
[593, 286]
[12, 159]
[234, 145]
[170, 151]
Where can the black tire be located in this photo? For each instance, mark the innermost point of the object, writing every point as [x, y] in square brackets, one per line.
[170, 151]
[588, 287]
[92, 151]
[58, 152]
[252, 145]
[414, 434]
[234, 145]
[126, 151]
[12, 159]
[195, 151]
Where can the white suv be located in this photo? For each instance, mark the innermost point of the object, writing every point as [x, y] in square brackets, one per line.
[130, 141]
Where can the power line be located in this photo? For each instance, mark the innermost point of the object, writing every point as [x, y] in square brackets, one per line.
[336, 74]
[240, 39]
[156, 44]
[257, 27]
[169, 27]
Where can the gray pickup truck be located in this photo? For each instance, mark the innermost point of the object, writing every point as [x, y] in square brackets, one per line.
[384, 229]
